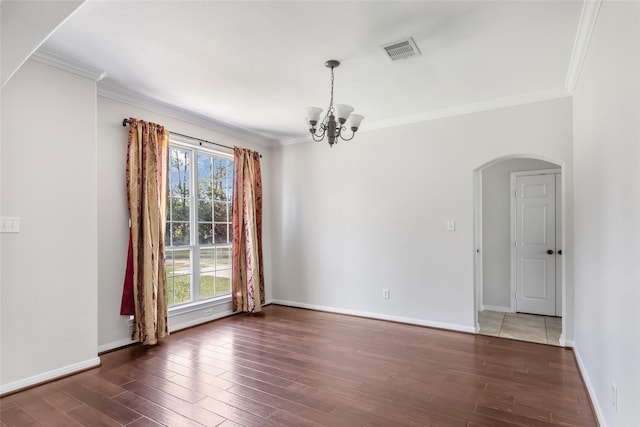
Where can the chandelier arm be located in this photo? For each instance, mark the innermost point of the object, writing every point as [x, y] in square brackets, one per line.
[346, 139]
[318, 136]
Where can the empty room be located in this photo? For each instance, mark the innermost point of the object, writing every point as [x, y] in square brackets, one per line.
[336, 213]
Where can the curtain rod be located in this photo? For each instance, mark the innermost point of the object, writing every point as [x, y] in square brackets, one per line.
[125, 122]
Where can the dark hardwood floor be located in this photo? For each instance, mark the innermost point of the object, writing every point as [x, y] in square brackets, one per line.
[297, 367]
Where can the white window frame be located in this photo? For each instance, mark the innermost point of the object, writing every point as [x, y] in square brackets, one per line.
[196, 303]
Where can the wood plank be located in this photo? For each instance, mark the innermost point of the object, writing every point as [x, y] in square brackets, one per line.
[157, 412]
[234, 414]
[88, 416]
[296, 408]
[42, 411]
[244, 404]
[192, 412]
[144, 422]
[102, 403]
[16, 416]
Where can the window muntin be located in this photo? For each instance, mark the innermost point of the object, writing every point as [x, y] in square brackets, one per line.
[199, 227]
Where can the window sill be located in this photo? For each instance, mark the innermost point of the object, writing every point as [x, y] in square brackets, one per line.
[198, 305]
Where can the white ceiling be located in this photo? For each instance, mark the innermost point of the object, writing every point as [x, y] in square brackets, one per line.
[255, 65]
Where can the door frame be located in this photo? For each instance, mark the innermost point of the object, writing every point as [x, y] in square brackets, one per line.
[477, 235]
[514, 175]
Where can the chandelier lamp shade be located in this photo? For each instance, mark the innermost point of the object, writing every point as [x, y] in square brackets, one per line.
[332, 126]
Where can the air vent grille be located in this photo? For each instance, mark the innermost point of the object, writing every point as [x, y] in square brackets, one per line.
[401, 49]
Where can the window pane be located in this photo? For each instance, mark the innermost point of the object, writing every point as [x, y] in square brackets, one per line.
[170, 293]
[207, 281]
[179, 209]
[223, 258]
[180, 290]
[204, 211]
[179, 172]
[207, 260]
[180, 233]
[178, 271]
[205, 174]
[230, 181]
[221, 235]
[223, 282]
[222, 176]
[220, 210]
[205, 234]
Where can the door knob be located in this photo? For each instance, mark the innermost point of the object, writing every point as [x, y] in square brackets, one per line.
[560, 252]
[550, 252]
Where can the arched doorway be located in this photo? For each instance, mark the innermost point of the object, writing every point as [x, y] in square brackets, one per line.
[503, 282]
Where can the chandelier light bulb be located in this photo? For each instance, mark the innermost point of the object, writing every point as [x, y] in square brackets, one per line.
[354, 121]
[313, 115]
[343, 111]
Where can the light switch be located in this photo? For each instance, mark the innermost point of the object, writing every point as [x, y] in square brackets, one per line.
[451, 225]
[9, 224]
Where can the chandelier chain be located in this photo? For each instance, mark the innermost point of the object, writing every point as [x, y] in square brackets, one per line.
[331, 99]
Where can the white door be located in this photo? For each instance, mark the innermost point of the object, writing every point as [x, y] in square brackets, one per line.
[535, 244]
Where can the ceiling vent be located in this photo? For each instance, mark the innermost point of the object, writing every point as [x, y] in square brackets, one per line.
[401, 49]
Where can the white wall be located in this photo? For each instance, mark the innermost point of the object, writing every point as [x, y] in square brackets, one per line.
[370, 214]
[496, 229]
[114, 330]
[48, 276]
[607, 213]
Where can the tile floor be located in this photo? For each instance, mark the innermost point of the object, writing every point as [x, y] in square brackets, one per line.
[520, 326]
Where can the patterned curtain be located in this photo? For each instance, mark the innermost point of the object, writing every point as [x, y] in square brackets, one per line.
[145, 287]
[248, 276]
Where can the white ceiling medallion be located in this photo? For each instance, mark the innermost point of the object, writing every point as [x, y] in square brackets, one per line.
[401, 49]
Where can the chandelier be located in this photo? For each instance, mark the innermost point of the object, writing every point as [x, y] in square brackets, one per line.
[329, 127]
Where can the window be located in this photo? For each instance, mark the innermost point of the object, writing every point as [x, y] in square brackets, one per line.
[199, 234]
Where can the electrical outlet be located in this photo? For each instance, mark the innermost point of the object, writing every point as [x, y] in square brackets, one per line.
[208, 312]
[614, 396]
[385, 293]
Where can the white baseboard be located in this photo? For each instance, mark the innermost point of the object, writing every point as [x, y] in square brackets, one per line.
[590, 390]
[379, 316]
[199, 321]
[115, 344]
[172, 328]
[49, 376]
[496, 308]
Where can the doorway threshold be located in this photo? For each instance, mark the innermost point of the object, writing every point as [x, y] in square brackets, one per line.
[521, 326]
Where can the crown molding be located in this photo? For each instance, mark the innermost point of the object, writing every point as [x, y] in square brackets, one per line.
[55, 60]
[586, 25]
[109, 90]
[138, 100]
[493, 104]
[459, 110]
